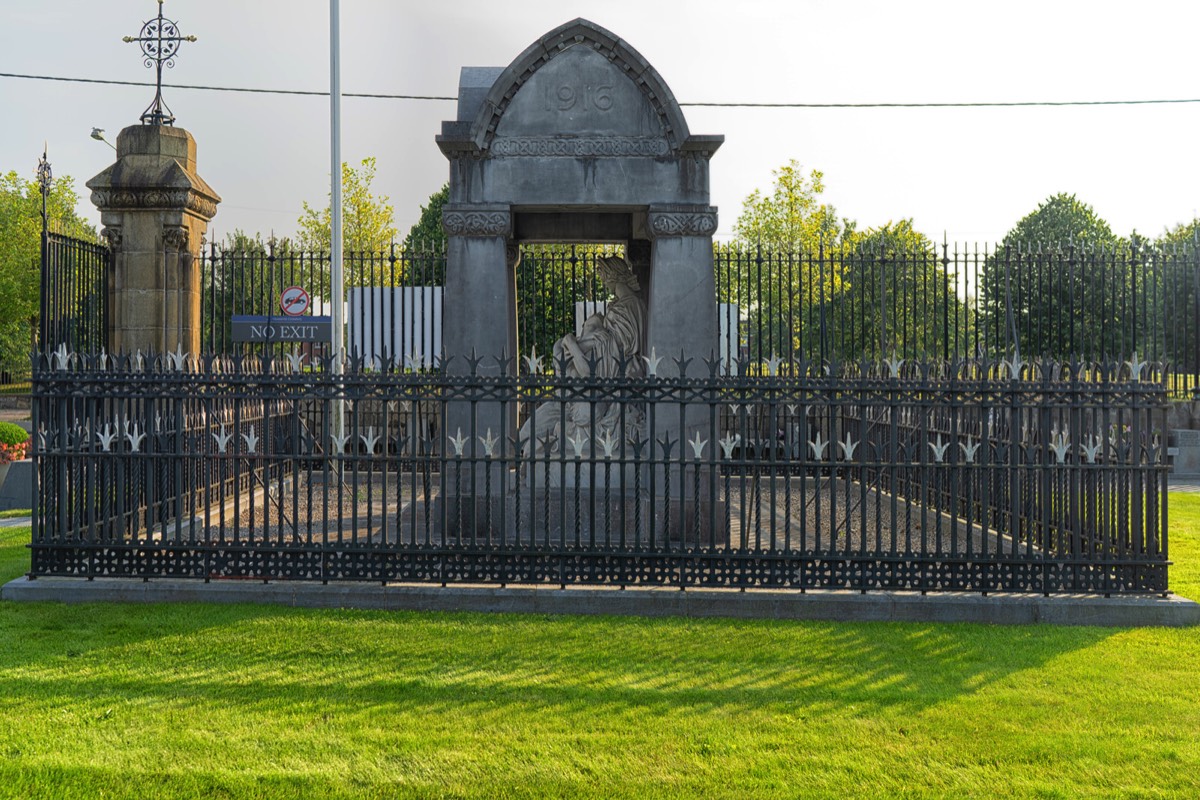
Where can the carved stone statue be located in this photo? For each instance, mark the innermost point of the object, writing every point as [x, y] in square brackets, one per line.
[609, 345]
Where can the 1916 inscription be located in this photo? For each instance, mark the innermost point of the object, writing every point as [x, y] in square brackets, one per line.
[582, 98]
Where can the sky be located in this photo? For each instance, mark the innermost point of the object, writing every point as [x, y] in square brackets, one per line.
[967, 174]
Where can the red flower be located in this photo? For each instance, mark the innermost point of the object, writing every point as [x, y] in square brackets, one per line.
[12, 452]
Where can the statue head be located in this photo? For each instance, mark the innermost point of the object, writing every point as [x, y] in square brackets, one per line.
[617, 271]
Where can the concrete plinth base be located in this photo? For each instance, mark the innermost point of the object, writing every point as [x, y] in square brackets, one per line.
[647, 602]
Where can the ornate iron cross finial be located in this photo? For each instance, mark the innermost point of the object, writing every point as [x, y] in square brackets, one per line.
[160, 40]
[45, 175]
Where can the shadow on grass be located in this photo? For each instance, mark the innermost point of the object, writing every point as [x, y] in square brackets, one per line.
[260, 659]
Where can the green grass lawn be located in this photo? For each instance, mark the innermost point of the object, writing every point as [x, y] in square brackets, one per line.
[244, 701]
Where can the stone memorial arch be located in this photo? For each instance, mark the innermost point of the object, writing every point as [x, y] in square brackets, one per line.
[579, 139]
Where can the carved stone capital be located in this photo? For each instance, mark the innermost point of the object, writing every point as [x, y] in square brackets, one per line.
[112, 235]
[512, 254]
[175, 237]
[682, 221]
[477, 221]
[155, 199]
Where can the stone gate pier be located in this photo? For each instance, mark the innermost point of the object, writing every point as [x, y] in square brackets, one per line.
[155, 209]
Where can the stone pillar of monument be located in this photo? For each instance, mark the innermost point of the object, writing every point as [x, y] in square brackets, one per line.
[482, 282]
[681, 277]
[155, 210]
[479, 317]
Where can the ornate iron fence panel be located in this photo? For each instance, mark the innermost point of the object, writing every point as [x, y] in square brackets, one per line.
[974, 475]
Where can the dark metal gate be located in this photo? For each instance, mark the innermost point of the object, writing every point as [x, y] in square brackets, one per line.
[74, 302]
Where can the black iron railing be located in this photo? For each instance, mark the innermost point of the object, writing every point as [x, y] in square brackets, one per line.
[1061, 302]
[74, 302]
[933, 476]
[1050, 301]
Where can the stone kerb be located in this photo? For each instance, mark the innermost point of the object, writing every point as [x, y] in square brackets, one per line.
[155, 210]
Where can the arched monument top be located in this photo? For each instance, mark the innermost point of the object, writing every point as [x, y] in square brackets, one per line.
[592, 49]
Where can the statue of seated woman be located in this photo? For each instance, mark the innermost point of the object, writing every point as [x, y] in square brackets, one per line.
[609, 345]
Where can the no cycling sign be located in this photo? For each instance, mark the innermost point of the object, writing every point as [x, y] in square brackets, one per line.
[294, 301]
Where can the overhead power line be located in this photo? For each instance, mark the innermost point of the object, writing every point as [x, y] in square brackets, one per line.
[223, 88]
[380, 96]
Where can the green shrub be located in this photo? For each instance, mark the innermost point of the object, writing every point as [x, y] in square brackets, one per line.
[13, 439]
[12, 434]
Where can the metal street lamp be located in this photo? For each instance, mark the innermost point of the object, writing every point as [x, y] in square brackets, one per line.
[98, 135]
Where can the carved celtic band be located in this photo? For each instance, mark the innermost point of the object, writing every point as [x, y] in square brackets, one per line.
[476, 223]
[702, 223]
[611, 146]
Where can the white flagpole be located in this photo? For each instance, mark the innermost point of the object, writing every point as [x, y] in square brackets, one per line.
[336, 288]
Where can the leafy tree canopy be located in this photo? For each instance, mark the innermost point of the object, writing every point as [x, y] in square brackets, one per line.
[1060, 220]
[1024, 299]
[893, 237]
[1185, 233]
[792, 217]
[368, 220]
[428, 230]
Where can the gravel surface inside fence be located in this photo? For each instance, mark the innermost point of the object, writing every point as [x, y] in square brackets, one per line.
[786, 513]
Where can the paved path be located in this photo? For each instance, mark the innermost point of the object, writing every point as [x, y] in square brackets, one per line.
[15, 522]
[1183, 483]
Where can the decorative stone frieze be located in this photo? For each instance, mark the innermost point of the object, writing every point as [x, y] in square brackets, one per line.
[682, 221]
[476, 222]
[150, 199]
[581, 147]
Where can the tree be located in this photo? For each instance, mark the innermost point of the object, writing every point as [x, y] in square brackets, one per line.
[20, 242]
[368, 231]
[897, 297]
[1056, 284]
[425, 245]
[778, 270]
[368, 221]
[245, 275]
[1175, 263]
[427, 233]
[1185, 234]
[792, 219]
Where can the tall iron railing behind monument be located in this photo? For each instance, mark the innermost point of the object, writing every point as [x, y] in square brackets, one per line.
[74, 306]
[1063, 302]
[394, 300]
